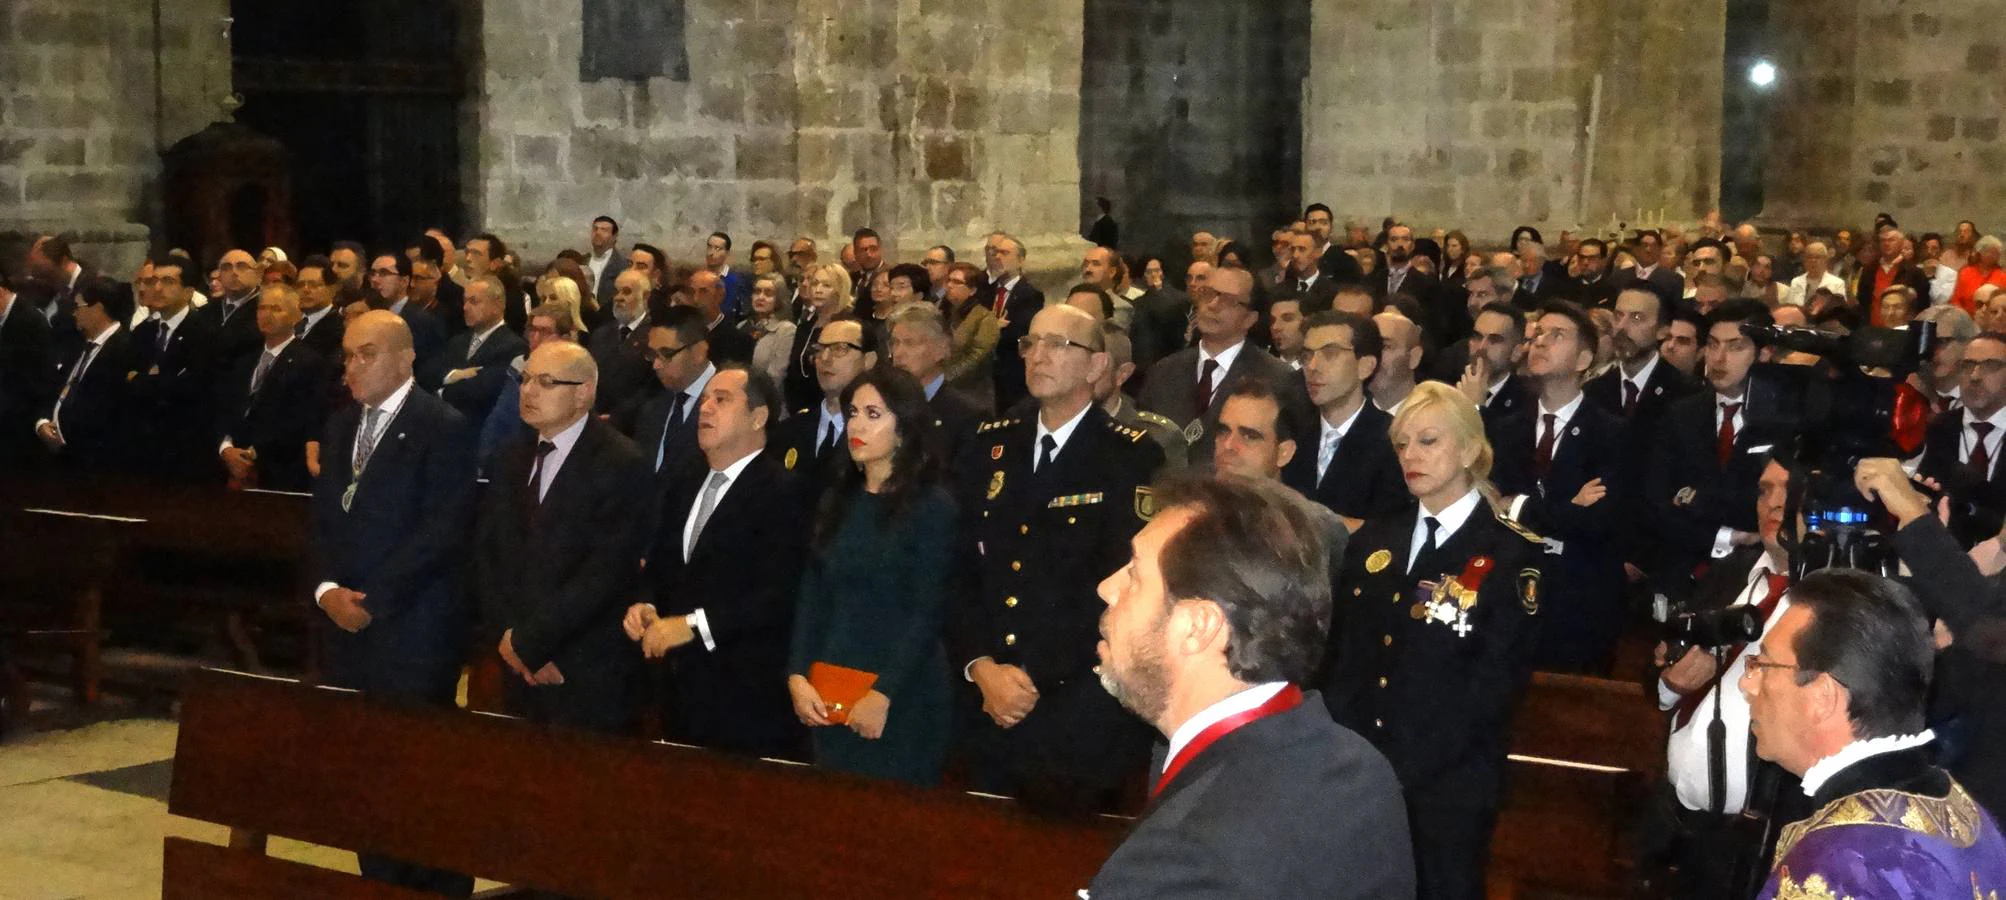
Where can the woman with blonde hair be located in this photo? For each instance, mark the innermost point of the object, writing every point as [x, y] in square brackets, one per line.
[828, 293]
[1431, 637]
[561, 290]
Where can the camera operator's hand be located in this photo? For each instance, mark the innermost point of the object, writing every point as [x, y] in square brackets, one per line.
[1692, 672]
[1884, 480]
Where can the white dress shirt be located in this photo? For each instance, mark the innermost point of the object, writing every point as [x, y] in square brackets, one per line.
[1801, 288]
[1246, 700]
[698, 622]
[1225, 360]
[171, 323]
[1059, 435]
[1686, 751]
[554, 460]
[1447, 521]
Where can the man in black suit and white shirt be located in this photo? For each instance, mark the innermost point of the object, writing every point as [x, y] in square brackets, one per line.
[1401, 277]
[605, 262]
[234, 315]
[1349, 465]
[89, 422]
[1963, 446]
[1261, 794]
[391, 512]
[1332, 259]
[725, 565]
[1490, 378]
[920, 345]
[1665, 281]
[811, 441]
[562, 532]
[1304, 279]
[666, 428]
[620, 348]
[273, 403]
[1014, 301]
[468, 374]
[180, 355]
[320, 323]
[1189, 386]
[27, 367]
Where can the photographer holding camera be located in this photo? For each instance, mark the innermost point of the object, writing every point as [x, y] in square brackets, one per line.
[1706, 824]
[1969, 606]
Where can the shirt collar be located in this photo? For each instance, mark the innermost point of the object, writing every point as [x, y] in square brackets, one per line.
[1997, 420]
[1246, 700]
[1060, 434]
[489, 332]
[731, 472]
[393, 403]
[1325, 429]
[1823, 770]
[1643, 376]
[398, 307]
[1563, 414]
[279, 350]
[933, 387]
[1448, 520]
[104, 335]
[1491, 393]
[1225, 357]
[695, 390]
[313, 318]
[174, 321]
[568, 438]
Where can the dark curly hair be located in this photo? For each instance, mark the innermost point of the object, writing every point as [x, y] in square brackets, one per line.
[914, 468]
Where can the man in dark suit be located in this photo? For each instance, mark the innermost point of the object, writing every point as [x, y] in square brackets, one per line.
[920, 345]
[180, 356]
[1332, 259]
[725, 565]
[1638, 390]
[434, 292]
[273, 403]
[1542, 281]
[605, 262]
[1648, 249]
[55, 274]
[867, 250]
[27, 367]
[1963, 446]
[1592, 285]
[468, 374]
[320, 323]
[1562, 460]
[88, 424]
[666, 428]
[811, 440]
[1706, 459]
[1305, 280]
[1490, 380]
[1895, 269]
[1261, 794]
[1400, 276]
[391, 512]
[620, 350]
[232, 317]
[1014, 301]
[1048, 506]
[1189, 386]
[1105, 231]
[390, 279]
[558, 556]
[1350, 466]
[728, 345]
[1163, 318]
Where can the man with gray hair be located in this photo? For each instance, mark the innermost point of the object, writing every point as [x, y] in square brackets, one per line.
[469, 373]
[920, 346]
[1954, 331]
[1896, 269]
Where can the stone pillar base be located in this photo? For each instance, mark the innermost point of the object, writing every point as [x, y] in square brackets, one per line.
[112, 248]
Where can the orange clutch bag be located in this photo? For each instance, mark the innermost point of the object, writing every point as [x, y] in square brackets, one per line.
[840, 687]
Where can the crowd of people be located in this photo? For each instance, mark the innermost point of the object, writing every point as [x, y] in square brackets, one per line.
[881, 516]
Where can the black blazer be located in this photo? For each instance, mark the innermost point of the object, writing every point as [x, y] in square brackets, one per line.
[616, 263]
[1339, 266]
[626, 378]
[1289, 806]
[1692, 496]
[743, 573]
[679, 452]
[277, 421]
[729, 345]
[793, 444]
[1023, 303]
[1665, 386]
[428, 334]
[1172, 392]
[1318, 298]
[174, 392]
[236, 333]
[561, 573]
[402, 543]
[97, 415]
[1583, 607]
[955, 415]
[1905, 274]
[27, 372]
[475, 396]
[325, 335]
[1943, 459]
[1364, 479]
[1161, 318]
[1514, 395]
[1665, 281]
[1967, 678]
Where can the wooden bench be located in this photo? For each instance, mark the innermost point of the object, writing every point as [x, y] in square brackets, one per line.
[1585, 752]
[571, 813]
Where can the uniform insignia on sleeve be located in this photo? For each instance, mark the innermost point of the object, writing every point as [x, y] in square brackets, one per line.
[995, 484]
[153, 371]
[793, 456]
[1194, 431]
[1378, 561]
[1528, 590]
[1521, 530]
[1158, 419]
[1074, 500]
[1145, 504]
[994, 424]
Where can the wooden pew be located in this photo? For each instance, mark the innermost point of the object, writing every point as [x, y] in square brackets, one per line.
[58, 571]
[576, 814]
[1585, 752]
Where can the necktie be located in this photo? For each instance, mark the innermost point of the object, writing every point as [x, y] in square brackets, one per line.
[365, 443]
[161, 337]
[1002, 299]
[706, 505]
[299, 328]
[264, 368]
[1981, 458]
[1047, 448]
[669, 427]
[1205, 373]
[1427, 546]
[1302, 286]
[543, 449]
[1542, 458]
[474, 346]
[1326, 450]
[76, 375]
[1393, 280]
[626, 331]
[1724, 447]
[1690, 703]
[1630, 394]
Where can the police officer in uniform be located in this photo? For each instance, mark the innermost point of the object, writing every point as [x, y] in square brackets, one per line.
[1109, 394]
[1049, 504]
[1433, 638]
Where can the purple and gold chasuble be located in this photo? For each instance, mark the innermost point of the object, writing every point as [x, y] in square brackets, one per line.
[1891, 845]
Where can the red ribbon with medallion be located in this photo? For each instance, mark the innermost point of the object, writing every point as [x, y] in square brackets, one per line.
[1289, 698]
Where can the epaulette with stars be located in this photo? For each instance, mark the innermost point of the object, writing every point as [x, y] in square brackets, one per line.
[1133, 434]
[994, 424]
[1158, 419]
[1518, 529]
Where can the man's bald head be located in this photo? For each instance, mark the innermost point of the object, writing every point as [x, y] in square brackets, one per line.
[376, 356]
[384, 327]
[559, 384]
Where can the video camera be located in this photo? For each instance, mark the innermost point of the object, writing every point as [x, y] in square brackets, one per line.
[1854, 404]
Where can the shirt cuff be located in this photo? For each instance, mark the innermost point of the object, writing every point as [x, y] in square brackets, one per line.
[41, 422]
[1723, 542]
[1667, 698]
[321, 591]
[700, 624]
[224, 446]
[968, 671]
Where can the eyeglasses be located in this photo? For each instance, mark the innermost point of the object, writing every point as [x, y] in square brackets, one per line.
[837, 349]
[1329, 352]
[545, 382]
[1051, 342]
[668, 354]
[1985, 367]
[540, 330]
[1756, 665]
[386, 273]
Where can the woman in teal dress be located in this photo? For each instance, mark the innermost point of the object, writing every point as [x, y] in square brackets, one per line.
[876, 589]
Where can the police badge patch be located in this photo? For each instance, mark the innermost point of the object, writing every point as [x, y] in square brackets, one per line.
[1145, 504]
[1528, 591]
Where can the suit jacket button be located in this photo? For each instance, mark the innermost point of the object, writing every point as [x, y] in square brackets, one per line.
[1388, 640]
[1010, 602]
[1009, 640]
[1016, 565]
[1023, 529]
[1379, 723]
[1382, 681]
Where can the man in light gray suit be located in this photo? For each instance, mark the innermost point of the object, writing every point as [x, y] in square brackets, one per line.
[1190, 386]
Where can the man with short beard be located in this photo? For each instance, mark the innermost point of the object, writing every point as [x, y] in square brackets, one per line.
[626, 377]
[1647, 248]
[1401, 277]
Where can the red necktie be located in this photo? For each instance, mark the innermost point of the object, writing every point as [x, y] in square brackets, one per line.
[1724, 448]
[1630, 392]
[1981, 459]
[1690, 703]
[1542, 458]
[1002, 299]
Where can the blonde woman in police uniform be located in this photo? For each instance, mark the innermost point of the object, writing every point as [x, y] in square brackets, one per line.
[1432, 634]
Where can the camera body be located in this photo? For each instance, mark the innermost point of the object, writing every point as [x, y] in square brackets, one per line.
[1712, 629]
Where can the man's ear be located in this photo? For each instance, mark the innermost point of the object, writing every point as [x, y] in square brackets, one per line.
[1284, 452]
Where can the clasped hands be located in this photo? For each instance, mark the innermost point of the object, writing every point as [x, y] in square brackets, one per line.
[1007, 691]
[344, 606]
[548, 675]
[656, 633]
[867, 718]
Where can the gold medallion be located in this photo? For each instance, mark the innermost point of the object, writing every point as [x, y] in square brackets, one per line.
[1419, 611]
[793, 456]
[1378, 561]
[348, 497]
[995, 485]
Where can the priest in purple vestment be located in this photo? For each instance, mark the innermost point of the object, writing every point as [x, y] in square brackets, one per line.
[1836, 697]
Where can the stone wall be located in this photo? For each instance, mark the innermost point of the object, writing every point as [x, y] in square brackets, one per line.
[83, 118]
[929, 120]
[1456, 113]
[1888, 105]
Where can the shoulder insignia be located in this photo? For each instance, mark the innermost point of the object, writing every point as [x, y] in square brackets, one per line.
[1158, 419]
[994, 424]
[1519, 530]
[1133, 434]
[1528, 591]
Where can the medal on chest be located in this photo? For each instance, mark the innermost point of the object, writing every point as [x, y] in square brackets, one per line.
[1450, 599]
